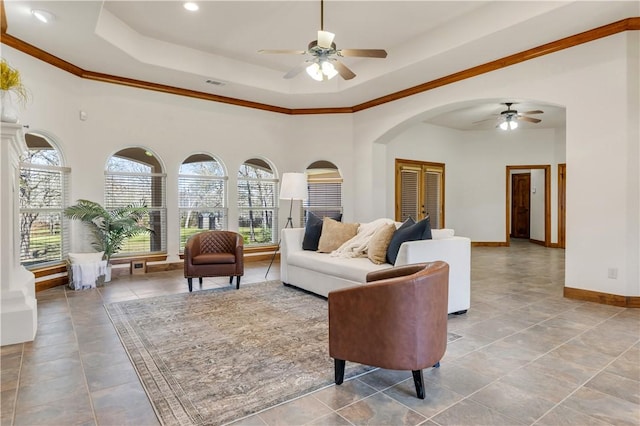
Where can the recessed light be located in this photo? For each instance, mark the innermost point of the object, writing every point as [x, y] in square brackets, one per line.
[43, 15]
[191, 6]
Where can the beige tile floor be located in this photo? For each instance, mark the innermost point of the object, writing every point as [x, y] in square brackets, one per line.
[527, 356]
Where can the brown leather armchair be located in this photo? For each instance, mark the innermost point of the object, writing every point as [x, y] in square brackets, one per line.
[398, 322]
[214, 254]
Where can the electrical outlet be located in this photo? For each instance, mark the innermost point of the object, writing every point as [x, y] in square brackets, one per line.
[613, 273]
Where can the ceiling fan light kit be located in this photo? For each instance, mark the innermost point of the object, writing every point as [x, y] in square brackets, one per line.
[324, 56]
[509, 123]
[322, 70]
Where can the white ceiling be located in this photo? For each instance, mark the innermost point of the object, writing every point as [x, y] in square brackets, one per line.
[161, 42]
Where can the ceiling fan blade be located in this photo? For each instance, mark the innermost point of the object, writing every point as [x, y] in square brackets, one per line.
[325, 38]
[535, 111]
[296, 70]
[529, 119]
[284, 51]
[343, 70]
[363, 53]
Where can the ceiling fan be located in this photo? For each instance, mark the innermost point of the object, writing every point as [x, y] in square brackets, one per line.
[508, 119]
[324, 62]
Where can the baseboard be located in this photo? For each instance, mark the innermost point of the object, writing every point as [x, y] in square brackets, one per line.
[51, 283]
[489, 244]
[539, 242]
[602, 298]
[122, 271]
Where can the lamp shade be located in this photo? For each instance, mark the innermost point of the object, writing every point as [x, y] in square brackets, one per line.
[293, 186]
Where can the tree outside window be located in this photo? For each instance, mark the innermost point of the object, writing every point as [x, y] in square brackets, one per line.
[201, 196]
[257, 203]
[44, 234]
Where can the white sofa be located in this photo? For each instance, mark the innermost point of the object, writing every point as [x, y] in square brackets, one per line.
[321, 273]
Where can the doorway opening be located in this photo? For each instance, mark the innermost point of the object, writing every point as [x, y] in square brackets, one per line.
[523, 202]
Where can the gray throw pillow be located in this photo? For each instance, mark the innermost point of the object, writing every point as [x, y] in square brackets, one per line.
[409, 231]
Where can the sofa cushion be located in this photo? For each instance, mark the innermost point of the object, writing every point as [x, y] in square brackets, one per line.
[213, 258]
[379, 243]
[408, 232]
[335, 233]
[352, 269]
[441, 234]
[313, 230]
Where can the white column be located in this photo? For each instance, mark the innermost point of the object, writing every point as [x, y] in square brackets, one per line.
[18, 305]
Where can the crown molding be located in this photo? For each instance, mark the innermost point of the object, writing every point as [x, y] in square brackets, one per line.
[628, 24]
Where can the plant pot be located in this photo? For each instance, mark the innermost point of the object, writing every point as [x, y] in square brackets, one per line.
[107, 274]
[8, 107]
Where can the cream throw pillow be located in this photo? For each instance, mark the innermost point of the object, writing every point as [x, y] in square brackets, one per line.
[335, 233]
[379, 243]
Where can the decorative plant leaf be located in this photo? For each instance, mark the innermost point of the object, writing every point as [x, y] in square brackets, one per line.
[109, 228]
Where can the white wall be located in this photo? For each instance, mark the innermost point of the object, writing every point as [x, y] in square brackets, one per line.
[475, 172]
[596, 82]
[173, 127]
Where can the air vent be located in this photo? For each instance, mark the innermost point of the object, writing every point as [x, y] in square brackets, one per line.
[216, 82]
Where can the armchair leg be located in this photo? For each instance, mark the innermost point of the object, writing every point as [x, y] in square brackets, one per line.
[189, 281]
[340, 364]
[419, 382]
[200, 281]
[231, 280]
[238, 282]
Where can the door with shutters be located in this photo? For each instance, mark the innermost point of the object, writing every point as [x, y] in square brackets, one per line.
[420, 191]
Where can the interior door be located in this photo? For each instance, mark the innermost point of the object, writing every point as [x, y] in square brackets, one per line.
[562, 205]
[420, 191]
[520, 205]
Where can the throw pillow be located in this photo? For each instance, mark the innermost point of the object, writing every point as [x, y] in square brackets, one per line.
[408, 232]
[85, 257]
[313, 230]
[379, 243]
[335, 233]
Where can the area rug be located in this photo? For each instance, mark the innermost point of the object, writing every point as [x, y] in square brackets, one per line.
[211, 357]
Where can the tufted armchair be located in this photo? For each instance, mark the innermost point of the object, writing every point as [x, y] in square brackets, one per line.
[397, 321]
[214, 254]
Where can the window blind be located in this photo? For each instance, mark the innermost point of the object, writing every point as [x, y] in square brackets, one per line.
[409, 194]
[324, 199]
[123, 188]
[432, 197]
[44, 230]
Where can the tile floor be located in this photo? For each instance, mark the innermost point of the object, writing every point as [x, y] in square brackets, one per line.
[527, 356]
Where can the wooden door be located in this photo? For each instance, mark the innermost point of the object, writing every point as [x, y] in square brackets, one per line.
[420, 191]
[520, 205]
[562, 205]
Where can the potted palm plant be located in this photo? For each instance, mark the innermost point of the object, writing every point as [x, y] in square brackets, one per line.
[11, 85]
[109, 228]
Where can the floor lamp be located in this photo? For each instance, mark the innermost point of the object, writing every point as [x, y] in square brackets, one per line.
[293, 187]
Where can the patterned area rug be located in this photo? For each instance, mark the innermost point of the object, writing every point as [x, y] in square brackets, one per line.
[213, 356]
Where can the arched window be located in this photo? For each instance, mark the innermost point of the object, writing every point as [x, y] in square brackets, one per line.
[134, 176]
[325, 190]
[257, 203]
[44, 191]
[202, 185]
